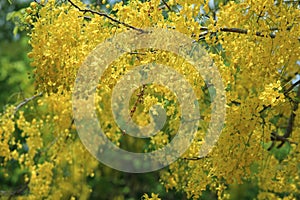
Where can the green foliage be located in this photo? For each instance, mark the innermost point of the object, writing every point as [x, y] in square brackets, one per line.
[15, 71]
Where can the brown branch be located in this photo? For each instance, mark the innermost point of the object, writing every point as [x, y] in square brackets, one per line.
[289, 129]
[12, 194]
[19, 191]
[235, 30]
[38, 3]
[278, 138]
[291, 87]
[195, 158]
[140, 98]
[106, 16]
[291, 1]
[165, 3]
[26, 101]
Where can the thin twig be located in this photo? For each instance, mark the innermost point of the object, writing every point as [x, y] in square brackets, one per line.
[289, 129]
[165, 3]
[288, 2]
[235, 30]
[26, 101]
[106, 16]
[39, 3]
[13, 194]
[244, 31]
[140, 99]
[291, 87]
[195, 158]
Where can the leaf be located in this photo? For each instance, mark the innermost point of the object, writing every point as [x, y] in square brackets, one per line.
[15, 31]
[10, 16]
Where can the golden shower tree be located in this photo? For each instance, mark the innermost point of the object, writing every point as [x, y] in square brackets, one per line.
[256, 48]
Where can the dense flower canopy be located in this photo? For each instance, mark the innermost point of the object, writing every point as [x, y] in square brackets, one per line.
[256, 48]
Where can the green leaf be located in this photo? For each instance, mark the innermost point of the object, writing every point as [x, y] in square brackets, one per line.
[15, 31]
[9, 16]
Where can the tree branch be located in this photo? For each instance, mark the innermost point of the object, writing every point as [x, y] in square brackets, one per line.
[289, 129]
[195, 158]
[140, 99]
[243, 31]
[106, 16]
[26, 101]
[291, 87]
[236, 30]
[165, 3]
[38, 2]
[12, 194]
[19, 191]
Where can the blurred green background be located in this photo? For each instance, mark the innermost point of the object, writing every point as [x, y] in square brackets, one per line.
[14, 64]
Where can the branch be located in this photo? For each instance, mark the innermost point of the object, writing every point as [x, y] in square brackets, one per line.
[165, 3]
[278, 138]
[289, 129]
[14, 193]
[243, 31]
[235, 30]
[195, 158]
[19, 191]
[106, 16]
[39, 3]
[292, 87]
[289, 2]
[140, 99]
[26, 101]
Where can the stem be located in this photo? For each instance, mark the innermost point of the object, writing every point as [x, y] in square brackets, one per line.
[107, 16]
[165, 3]
[236, 30]
[26, 101]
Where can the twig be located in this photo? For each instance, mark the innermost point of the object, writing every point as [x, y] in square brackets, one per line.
[235, 30]
[278, 138]
[289, 129]
[288, 2]
[165, 3]
[38, 3]
[26, 101]
[19, 191]
[195, 158]
[11, 194]
[264, 108]
[139, 100]
[107, 16]
[244, 31]
[291, 87]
